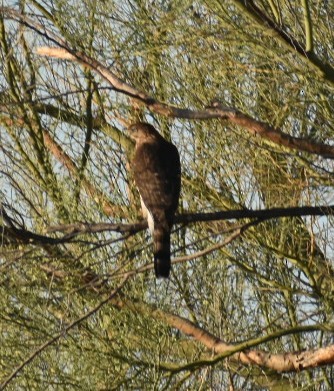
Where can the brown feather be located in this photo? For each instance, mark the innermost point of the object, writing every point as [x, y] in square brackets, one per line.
[161, 252]
[157, 173]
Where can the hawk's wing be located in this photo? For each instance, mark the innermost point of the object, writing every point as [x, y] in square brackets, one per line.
[157, 172]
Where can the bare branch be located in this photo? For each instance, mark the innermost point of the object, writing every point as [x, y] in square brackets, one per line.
[73, 230]
[89, 228]
[238, 214]
[264, 214]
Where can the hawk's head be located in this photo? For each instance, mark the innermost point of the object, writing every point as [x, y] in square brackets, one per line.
[142, 131]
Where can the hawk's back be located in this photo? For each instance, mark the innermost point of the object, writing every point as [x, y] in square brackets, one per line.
[157, 173]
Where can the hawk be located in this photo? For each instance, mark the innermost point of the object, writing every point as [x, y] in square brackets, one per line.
[157, 173]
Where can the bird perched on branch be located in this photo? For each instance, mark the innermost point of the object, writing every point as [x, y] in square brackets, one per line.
[157, 173]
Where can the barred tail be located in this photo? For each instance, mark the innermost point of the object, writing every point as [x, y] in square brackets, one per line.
[161, 251]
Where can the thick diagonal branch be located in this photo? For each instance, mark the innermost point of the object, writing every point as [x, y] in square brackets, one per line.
[242, 352]
[236, 117]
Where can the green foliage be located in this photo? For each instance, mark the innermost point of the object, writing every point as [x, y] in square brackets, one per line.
[64, 159]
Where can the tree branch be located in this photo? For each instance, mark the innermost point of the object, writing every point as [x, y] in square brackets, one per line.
[308, 26]
[238, 214]
[12, 231]
[232, 115]
[263, 214]
[263, 20]
[283, 362]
